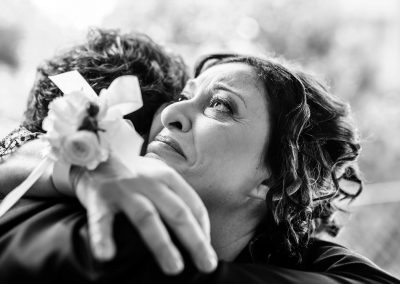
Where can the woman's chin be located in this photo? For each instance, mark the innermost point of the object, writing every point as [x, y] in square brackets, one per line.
[154, 156]
[164, 152]
[170, 160]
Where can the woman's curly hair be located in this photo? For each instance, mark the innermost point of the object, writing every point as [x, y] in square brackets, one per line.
[311, 148]
[106, 55]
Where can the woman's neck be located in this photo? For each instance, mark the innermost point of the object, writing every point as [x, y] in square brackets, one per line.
[229, 236]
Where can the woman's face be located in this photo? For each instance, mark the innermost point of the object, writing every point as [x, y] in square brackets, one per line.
[215, 135]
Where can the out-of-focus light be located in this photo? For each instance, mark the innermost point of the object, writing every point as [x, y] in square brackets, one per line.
[77, 13]
[370, 8]
[248, 28]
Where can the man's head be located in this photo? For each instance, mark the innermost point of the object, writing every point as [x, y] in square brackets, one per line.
[106, 55]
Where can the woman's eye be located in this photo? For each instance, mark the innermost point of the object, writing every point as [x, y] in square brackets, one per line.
[221, 105]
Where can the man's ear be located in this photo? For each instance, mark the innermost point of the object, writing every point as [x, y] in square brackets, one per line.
[260, 191]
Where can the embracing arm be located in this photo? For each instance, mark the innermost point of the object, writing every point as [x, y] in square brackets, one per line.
[45, 242]
[16, 166]
[29, 247]
[155, 187]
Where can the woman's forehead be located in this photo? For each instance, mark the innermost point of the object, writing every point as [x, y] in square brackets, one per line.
[235, 74]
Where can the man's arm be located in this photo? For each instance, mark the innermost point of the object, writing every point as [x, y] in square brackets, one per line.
[48, 242]
[15, 168]
[143, 215]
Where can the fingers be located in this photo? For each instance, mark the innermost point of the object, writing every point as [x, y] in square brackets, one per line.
[143, 214]
[179, 217]
[100, 225]
[176, 183]
[145, 198]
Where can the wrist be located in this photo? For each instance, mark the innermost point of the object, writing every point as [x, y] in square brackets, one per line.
[65, 178]
[75, 175]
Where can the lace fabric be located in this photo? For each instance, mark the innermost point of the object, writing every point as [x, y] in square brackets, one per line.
[14, 140]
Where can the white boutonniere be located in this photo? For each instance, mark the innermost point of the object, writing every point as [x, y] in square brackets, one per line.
[84, 129]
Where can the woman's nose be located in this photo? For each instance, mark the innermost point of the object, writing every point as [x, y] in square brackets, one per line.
[177, 116]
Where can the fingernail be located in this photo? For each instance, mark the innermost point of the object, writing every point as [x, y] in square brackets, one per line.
[173, 265]
[103, 251]
[211, 262]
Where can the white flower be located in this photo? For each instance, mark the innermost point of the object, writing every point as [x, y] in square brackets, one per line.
[82, 127]
[66, 114]
[83, 148]
[65, 117]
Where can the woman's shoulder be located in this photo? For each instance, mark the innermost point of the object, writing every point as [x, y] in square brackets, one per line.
[324, 255]
[322, 262]
[330, 257]
[319, 255]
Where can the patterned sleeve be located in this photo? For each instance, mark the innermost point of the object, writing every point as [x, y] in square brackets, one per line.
[14, 140]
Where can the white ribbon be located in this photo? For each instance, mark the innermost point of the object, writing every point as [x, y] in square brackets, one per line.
[20, 190]
[122, 97]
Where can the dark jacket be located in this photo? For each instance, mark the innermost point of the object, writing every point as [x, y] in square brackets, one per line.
[47, 242]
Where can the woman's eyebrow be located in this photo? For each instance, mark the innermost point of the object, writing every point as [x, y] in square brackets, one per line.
[222, 86]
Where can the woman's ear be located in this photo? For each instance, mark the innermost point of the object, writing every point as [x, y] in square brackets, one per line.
[260, 191]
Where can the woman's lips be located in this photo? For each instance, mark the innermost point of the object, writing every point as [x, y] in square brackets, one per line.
[171, 143]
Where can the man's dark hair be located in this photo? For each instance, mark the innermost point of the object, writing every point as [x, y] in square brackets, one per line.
[311, 148]
[106, 55]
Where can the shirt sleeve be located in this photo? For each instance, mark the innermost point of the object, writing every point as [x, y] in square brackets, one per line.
[44, 242]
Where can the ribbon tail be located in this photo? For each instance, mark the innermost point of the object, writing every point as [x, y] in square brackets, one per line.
[20, 190]
[73, 81]
[125, 143]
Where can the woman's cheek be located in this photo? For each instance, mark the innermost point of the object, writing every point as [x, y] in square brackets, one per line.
[156, 125]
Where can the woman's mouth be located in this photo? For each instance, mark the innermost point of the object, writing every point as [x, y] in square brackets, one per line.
[172, 143]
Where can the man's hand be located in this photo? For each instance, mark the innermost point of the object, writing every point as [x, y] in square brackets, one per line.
[154, 192]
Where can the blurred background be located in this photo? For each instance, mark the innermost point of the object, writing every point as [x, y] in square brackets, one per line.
[353, 44]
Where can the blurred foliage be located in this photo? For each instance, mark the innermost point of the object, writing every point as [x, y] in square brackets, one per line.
[353, 44]
[347, 49]
[9, 39]
[378, 240]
